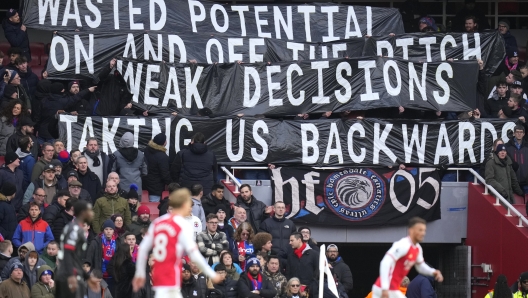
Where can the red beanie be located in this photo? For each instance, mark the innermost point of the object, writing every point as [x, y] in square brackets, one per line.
[143, 210]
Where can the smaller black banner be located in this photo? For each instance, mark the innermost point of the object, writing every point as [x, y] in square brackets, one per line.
[357, 196]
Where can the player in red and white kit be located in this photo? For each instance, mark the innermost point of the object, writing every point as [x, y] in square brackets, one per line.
[400, 258]
[170, 237]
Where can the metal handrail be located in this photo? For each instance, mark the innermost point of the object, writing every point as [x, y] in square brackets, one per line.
[487, 188]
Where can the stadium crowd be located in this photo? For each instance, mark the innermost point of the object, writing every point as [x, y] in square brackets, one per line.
[258, 251]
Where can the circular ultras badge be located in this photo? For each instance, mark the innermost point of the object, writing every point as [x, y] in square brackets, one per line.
[354, 194]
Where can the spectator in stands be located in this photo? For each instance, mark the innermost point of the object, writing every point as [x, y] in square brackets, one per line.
[44, 160]
[27, 160]
[39, 198]
[51, 106]
[469, 10]
[88, 233]
[33, 229]
[89, 179]
[71, 164]
[110, 203]
[8, 222]
[113, 176]
[30, 268]
[6, 250]
[273, 273]
[190, 287]
[511, 62]
[306, 232]
[256, 210]
[15, 286]
[24, 128]
[98, 161]
[157, 166]
[197, 209]
[96, 286]
[303, 262]
[426, 24]
[22, 252]
[64, 217]
[242, 246]
[164, 203]
[509, 39]
[216, 198]
[122, 270]
[15, 81]
[233, 270]
[120, 228]
[493, 82]
[194, 221]
[58, 204]
[83, 106]
[253, 284]
[523, 286]
[102, 249]
[293, 289]
[421, 286]
[129, 163]
[130, 239]
[28, 79]
[113, 90]
[133, 202]
[222, 223]
[341, 269]
[211, 242]
[514, 109]
[48, 182]
[76, 191]
[45, 286]
[195, 164]
[471, 24]
[263, 259]
[199, 276]
[50, 255]
[15, 32]
[280, 228]
[227, 286]
[517, 149]
[10, 173]
[8, 123]
[239, 217]
[262, 243]
[501, 176]
[13, 53]
[9, 93]
[142, 222]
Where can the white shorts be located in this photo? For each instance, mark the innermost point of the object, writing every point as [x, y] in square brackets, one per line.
[376, 293]
[166, 292]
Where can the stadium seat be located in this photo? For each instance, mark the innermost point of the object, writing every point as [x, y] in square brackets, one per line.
[164, 194]
[153, 207]
[518, 199]
[4, 47]
[2, 160]
[35, 60]
[37, 47]
[144, 196]
[37, 69]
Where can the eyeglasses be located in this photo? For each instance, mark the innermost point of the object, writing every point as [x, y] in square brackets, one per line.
[332, 251]
[22, 252]
[212, 222]
[295, 286]
[525, 282]
[41, 196]
[245, 234]
[118, 220]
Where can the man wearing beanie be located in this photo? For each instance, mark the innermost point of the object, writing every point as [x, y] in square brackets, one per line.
[133, 202]
[510, 42]
[143, 221]
[12, 174]
[157, 166]
[190, 287]
[15, 32]
[501, 176]
[102, 249]
[110, 203]
[45, 287]
[15, 286]
[8, 223]
[523, 289]
[254, 284]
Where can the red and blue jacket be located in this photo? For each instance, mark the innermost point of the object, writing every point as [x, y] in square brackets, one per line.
[38, 232]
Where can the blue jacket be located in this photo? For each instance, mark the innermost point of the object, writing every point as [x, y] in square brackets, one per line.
[17, 178]
[421, 287]
[510, 42]
[17, 37]
[27, 162]
[8, 222]
[37, 232]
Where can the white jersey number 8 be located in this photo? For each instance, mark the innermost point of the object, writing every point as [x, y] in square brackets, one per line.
[160, 247]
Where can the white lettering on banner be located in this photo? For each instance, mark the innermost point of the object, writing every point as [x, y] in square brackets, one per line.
[289, 85]
[333, 137]
[320, 98]
[471, 52]
[351, 16]
[68, 119]
[149, 48]
[95, 11]
[68, 15]
[404, 43]
[229, 140]
[444, 67]
[260, 23]
[427, 41]
[241, 9]
[191, 87]
[507, 126]
[413, 78]
[87, 132]
[464, 144]
[310, 183]
[157, 25]
[350, 141]
[343, 98]
[441, 150]
[195, 18]
[214, 21]
[231, 44]
[109, 135]
[447, 39]
[176, 40]
[150, 84]
[338, 47]
[253, 56]
[412, 189]
[330, 10]
[279, 21]
[116, 14]
[172, 84]
[379, 143]
[210, 43]
[486, 126]
[366, 66]
[251, 73]
[384, 44]
[52, 6]
[307, 144]
[394, 91]
[133, 82]
[181, 123]
[132, 11]
[57, 40]
[270, 70]
[136, 123]
[87, 56]
[130, 46]
[409, 145]
[260, 125]
[307, 10]
[295, 47]
[156, 129]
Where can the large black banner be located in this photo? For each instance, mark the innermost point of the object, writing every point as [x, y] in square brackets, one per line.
[357, 196]
[82, 55]
[256, 141]
[305, 23]
[290, 88]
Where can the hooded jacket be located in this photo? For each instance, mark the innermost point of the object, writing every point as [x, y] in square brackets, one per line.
[254, 211]
[17, 37]
[10, 288]
[41, 290]
[304, 268]
[280, 229]
[7, 129]
[27, 162]
[108, 205]
[39, 166]
[245, 287]
[500, 175]
[210, 203]
[37, 231]
[521, 157]
[48, 111]
[228, 287]
[113, 93]
[12, 144]
[421, 287]
[51, 190]
[343, 273]
[129, 163]
[17, 178]
[157, 168]
[91, 183]
[195, 165]
[8, 222]
[29, 81]
[7, 269]
[30, 275]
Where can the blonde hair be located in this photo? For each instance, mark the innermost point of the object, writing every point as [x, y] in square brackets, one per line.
[179, 197]
[288, 285]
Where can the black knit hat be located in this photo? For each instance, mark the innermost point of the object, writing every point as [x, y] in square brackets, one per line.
[9, 90]
[8, 189]
[160, 139]
[132, 193]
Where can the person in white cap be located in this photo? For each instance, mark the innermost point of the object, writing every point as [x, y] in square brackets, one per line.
[341, 269]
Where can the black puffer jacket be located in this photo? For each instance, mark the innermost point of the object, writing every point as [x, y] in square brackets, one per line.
[254, 211]
[91, 183]
[280, 229]
[17, 37]
[158, 169]
[112, 93]
[8, 222]
[29, 80]
[49, 107]
[196, 164]
[191, 289]
[210, 203]
[52, 213]
[306, 268]
[228, 288]
[59, 223]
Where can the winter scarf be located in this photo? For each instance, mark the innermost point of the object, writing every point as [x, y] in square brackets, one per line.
[256, 283]
[109, 247]
[94, 156]
[234, 223]
[135, 253]
[299, 251]
[510, 67]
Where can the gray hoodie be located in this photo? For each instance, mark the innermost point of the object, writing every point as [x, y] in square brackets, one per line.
[7, 269]
[129, 163]
[30, 275]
